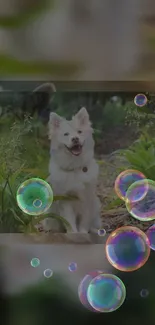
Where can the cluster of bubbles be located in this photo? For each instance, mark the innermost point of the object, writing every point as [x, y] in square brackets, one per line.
[127, 248]
[35, 262]
[138, 193]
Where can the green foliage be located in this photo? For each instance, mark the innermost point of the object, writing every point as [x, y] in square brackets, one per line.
[140, 117]
[18, 143]
[140, 156]
[113, 115]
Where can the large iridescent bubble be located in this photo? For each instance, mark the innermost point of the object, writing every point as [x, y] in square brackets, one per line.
[127, 248]
[34, 196]
[124, 180]
[144, 209]
[106, 293]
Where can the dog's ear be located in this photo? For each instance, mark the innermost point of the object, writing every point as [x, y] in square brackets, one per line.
[54, 123]
[83, 117]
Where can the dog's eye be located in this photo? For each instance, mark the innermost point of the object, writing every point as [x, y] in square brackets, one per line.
[66, 133]
[79, 131]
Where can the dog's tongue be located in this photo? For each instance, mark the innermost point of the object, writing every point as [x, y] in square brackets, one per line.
[76, 150]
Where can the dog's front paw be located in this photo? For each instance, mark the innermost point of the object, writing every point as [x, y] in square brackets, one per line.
[72, 231]
[83, 231]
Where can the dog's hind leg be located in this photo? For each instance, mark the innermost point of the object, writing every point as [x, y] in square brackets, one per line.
[95, 214]
[68, 214]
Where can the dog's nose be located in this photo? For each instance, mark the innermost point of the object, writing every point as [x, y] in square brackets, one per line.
[75, 140]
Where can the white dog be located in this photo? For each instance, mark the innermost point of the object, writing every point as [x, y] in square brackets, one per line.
[73, 171]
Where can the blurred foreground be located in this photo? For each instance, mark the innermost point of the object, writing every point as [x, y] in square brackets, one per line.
[29, 298]
[76, 40]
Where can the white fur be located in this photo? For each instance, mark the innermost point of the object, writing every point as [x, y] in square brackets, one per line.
[67, 175]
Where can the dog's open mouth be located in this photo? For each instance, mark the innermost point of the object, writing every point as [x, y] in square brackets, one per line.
[75, 149]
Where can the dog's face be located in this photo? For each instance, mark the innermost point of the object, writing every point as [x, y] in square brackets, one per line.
[70, 135]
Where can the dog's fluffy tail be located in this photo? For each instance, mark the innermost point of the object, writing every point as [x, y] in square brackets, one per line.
[39, 100]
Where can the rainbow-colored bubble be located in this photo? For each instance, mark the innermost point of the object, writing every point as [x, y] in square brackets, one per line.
[127, 248]
[35, 262]
[150, 233]
[106, 293]
[144, 209]
[34, 196]
[72, 267]
[124, 180]
[101, 232]
[140, 100]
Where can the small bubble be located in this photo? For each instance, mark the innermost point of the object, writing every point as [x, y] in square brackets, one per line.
[144, 293]
[101, 232]
[140, 100]
[72, 267]
[35, 262]
[37, 203]
[48, 273]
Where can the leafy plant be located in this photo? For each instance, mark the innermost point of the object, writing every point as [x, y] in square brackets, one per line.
[140, 156]
[14, 169]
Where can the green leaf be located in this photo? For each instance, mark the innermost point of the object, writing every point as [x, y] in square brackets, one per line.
[115, 203]
[53, 216]
[16, 216]
[101, 162]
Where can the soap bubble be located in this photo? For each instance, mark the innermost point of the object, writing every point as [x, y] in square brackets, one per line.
[140, 100]
[35, 262]
[125, 179]
[101, 232]
[127, 248]
[72, 267]
[48, 273]
[144, 209]
[144, 293]
[34, 196]
[106, 293]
